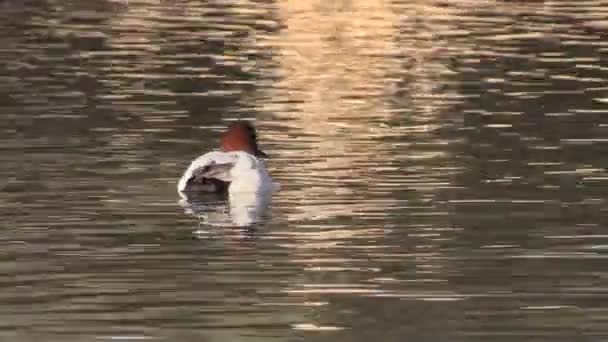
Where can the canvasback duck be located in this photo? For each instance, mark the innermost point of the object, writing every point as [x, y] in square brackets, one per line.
[240, 136]
[249, 191]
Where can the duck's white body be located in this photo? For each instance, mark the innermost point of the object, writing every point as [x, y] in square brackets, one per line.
[201, 162]
[245, 172]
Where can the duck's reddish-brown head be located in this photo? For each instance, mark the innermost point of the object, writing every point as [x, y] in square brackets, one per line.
[241, 136]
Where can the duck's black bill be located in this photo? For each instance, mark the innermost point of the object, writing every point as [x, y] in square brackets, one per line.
[261, 154]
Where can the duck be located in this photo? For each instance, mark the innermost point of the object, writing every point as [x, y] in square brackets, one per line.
[249, 190]
[236, 167]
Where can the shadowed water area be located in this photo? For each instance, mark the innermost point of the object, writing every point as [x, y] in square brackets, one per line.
[443, 170]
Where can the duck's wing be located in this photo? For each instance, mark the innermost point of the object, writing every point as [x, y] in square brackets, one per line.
[213, 170]
[210, 166]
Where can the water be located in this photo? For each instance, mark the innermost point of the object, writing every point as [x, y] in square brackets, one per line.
[442, 169]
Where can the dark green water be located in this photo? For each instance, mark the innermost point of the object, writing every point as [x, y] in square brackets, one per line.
[443, 170]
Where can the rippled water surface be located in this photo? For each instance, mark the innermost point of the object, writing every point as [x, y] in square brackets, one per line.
[443, 170]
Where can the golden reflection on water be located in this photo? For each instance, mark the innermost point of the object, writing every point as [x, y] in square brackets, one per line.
[338, 64]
